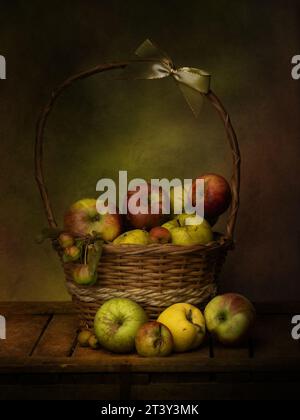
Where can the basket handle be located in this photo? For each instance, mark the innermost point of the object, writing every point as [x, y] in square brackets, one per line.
[39, 142]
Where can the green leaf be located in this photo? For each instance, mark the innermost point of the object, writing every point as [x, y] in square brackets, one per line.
[94, 255]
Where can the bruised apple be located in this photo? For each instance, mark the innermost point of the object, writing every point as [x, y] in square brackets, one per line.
[83, 219]
[217, 195]
[154, 339]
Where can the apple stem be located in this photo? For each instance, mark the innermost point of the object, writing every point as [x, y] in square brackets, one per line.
[189, 316]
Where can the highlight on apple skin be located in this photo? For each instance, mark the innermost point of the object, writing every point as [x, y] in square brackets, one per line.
[154, 339]
[229, 318]
[83, 219]
[187, 325]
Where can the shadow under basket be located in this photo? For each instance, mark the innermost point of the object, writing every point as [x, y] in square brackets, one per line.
[155, 276]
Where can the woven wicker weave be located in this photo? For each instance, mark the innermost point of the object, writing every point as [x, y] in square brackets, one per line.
[155, 276]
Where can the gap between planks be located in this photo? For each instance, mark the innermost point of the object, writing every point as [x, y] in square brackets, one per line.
[41, 335]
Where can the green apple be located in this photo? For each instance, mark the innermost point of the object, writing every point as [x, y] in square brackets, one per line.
[229, 318]
[154, 339]
[181, 236]
[171, 224]
[202, 234]
[83, 276]
[117, 322]
[186, 324]
[192, 235]
[133, 237]
[83, 219]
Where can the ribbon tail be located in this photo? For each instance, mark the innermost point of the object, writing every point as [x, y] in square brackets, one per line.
[193, 98]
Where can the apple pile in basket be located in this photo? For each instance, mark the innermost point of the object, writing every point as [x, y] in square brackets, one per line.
[85, 229]
[121, 326]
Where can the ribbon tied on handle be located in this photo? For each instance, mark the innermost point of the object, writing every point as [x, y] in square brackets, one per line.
[152, 63]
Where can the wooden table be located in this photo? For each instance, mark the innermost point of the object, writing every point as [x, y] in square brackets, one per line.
[40, 359]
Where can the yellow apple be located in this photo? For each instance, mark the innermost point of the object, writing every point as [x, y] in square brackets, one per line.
[171, 224]
[192, 234]
[133, 237]
[181, 236]
[186, 324]
[202, 234]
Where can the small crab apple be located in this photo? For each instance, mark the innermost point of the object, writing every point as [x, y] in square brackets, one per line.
[65, 240]
[159, 235]
[72, 253]
[83, 276]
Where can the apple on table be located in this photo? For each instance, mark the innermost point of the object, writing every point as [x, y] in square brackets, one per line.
[229, 318]
[187, 325]
[116, 324]
[154, 339]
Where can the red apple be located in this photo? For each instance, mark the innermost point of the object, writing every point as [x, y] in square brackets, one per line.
[229, 318]
[83, 219]
[145, 219]
[217, 195]
[154, 339]
[159, 235]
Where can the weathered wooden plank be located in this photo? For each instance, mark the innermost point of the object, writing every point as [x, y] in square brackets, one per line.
[123, 364]
[86, 355]
[36, 308]
[59, 337]
[219, 351]
[23, 332]
[272, 337]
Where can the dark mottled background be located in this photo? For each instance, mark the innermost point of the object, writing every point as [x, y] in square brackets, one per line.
[103, 125]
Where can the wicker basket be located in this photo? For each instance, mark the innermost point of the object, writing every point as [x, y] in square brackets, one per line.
[155, 276]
